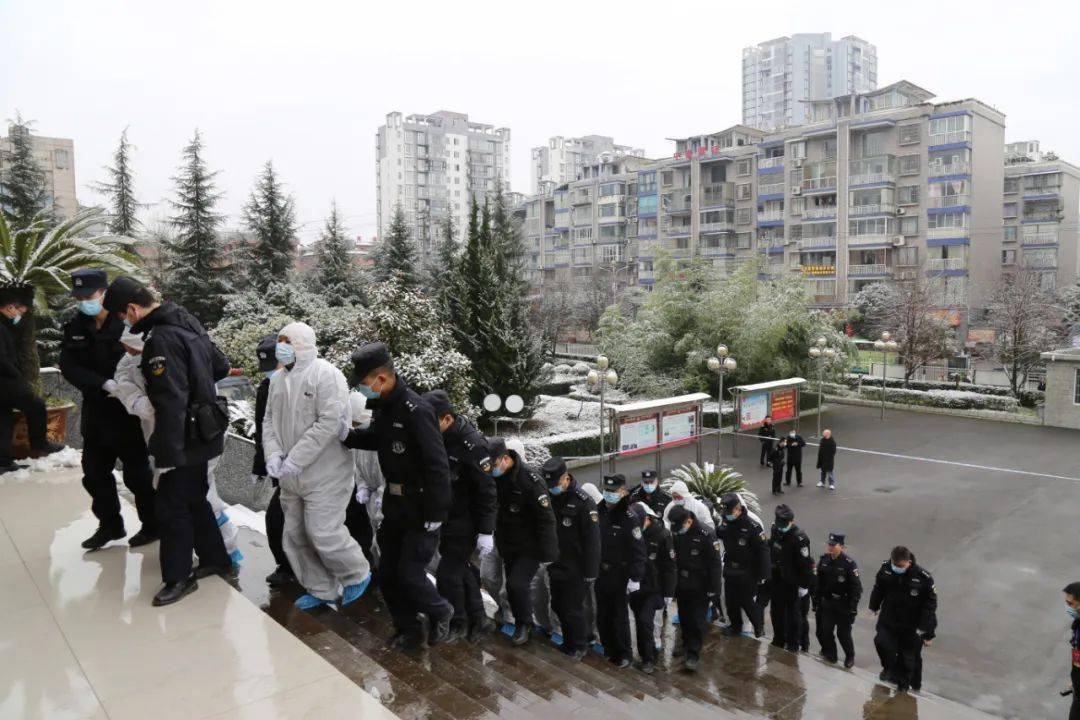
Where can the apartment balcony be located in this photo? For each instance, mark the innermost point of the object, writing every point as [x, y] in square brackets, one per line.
[871, 170]
[770, 216]
[819, 184]
[718, 194]
[817, 243]
[770, 189]
[950, 138]
[939, 233]
[864, 240]
[872, 209]
[771, 246]
[940, 170]
[948, 201]
[677, 230]
[673, 203]
[940, 264]
[1042, 217]
[1039, 238]
[819, 213]
[581, 199]
[872, 270]
[1042, 193]
[773, 162]
[716, 227]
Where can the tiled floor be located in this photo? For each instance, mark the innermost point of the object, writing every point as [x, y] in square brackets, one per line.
[79, 638]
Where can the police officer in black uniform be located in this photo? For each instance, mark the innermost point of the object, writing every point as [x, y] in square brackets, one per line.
[525, 534]
[700, 565]
[792, 577]
[181, 365]
[88, 356]
[472, 515]
[906, 598]
[836, 600]
[767, 433]
[622, 567]
[412, 457]
[578, 528]
[650, 493]
[657, 583]
[746, 564]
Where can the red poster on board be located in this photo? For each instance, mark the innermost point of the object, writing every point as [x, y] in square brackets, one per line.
[783, 405]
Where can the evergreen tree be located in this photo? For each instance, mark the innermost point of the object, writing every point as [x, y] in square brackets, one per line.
[395, 256]
[271, 216]
[334, 273]
[120, 189]
[441, 275]
[196, 274]
[22, 185]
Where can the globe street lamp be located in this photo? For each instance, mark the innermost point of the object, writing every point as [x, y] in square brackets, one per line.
[721, 364]
[885, 345]
[601, 380]
[821, 355]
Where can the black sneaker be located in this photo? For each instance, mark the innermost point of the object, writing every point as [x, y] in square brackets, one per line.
[440, 630]
[620, 662]
[849, 662]
[648, 668]
[47, 449]
[145, 536]
[759, 632]
[690, 663]
[102, 536]
[521, 635]
[280, 577]
[174, 592]
[478, 627]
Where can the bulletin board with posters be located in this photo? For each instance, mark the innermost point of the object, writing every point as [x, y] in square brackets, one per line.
[638, 434]
[778, 398]
[782, 405]
[679, 426]
[650, 426]
[752, 411]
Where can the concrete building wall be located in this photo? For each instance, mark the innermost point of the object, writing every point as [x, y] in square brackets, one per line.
[56, 157]
[1062, 404]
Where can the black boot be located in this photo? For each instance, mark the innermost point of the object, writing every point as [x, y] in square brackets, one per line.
[281, 576]
[47, 449]
[691, 663]
[145, 536]
[849, 662]
[203, 571]
[102, 536]
[173, 592]
[478, 626]
[440, 630]
[521, 634]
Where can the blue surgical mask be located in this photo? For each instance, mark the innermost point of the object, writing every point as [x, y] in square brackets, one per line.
[898, 570]
[90, 307]
[496, 471]
[555, 490]
[370, 394]
[285, 353]
[611, 497]
[682, 530]
[783, 528]
[1073, 612]
[649, 488]
[730, 518]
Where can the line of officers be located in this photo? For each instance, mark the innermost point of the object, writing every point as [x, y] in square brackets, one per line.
[628, 551]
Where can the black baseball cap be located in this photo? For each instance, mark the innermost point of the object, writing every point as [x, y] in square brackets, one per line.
[836, 538]
[678, 514]
[121, 293]
[266, 352]
[496, 447]
[85, 283]
[730, 501]
[648, 475]
[439, 402]
[369, 356]
[553, 469]
[614, 482]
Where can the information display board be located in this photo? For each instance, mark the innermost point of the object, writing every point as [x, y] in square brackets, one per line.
[752, 410]
[783, 405]
[638, 434]
[679, 426]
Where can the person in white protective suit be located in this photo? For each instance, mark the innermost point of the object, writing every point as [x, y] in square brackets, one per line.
[304, 409]
[680, 495]
[130, 390]
[362, 516]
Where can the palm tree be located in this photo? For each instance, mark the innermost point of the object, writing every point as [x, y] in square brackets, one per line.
[42, 258]
[711, 483]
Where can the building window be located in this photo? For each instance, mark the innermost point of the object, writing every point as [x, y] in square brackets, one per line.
[909, 226]
[1076, 387]
[1012, 184]
[742, 191]
[647, 204]
[742, 216]
[667, 177]
[742, 169]
[62, 159]
[1008, 257]
[907, 256]
[742, 240]
[1010, 233]
[797, 150]
[909, 134]
[1008, 210]
[1048, 281]
[907, 195]
[910, 164]
[947, 220]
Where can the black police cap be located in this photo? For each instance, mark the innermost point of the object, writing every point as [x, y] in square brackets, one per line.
[836, 538]
[17, 293]
[614, 482]
[496, 447]
[678, 514]
[784, 513]
[85, 283]
[648, 475]
[730, 501]
[369, 356]
[553, 469]
[439, 402]
[121, 293]
[266, 351]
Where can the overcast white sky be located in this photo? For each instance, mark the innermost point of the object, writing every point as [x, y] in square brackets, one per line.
[307, 83]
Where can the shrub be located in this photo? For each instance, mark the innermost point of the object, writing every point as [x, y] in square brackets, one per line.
[954, 399]
[1028, 398]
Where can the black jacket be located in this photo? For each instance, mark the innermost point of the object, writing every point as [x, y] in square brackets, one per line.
[622, 541]
[838, 585]
[791, 559]
[474, 501]
[525, 523]
[1074, 643]
[258, 464]
[88, 358]
[826, 454]
[746, 551]
[794, 449]
[767, 433]
[660, 570]
[777, 455]
[412, 457]
[10, 366]
[579, 535]
[699, 561]
[180, 365]
[657, 500]
[907, 601]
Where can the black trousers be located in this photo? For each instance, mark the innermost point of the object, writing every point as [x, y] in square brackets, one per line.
[404, 556]
[766, 446]
[834, 624]
[739, 597]
[568, 590]
[1074, 712]
[186, 523]
[457, 579]
[612, 615]
[692, 625]
[357, 523]
[797, 467]
[785, 614]
[804, 623]
[98, 461]
[900, 651]
[777, 476]
[17, 395]
[645, 606]
[520, 571]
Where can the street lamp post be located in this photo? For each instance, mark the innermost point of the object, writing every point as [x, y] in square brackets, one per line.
[821, 354]
[721, 364]
[601, 379]
[885, 344]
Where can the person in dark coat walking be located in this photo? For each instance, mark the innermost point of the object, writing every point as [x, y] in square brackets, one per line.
[795, 444]
[826, 458]
[1072, 607]
[776, 460]
[746, 564]
[836, 600]
[905, 596]
[700, 567]
[650, 493]
[793, 575]
[657, 584]
[622, 567]
[767, 433]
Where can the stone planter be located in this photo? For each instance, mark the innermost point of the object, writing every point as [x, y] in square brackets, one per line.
[56, 429]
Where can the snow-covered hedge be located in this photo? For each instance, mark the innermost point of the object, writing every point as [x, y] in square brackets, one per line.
[955, 399]
[1028, 398]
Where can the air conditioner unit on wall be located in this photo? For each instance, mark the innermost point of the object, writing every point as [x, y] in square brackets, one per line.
[898, 241]
[796, 190]
[797, 162]
[901, 211]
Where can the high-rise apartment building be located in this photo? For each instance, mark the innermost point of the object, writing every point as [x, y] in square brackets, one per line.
[56, 157]
[782, 77]
[431, 165]
[564, 159]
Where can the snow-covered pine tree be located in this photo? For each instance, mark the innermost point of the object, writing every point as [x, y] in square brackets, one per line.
[441, 275]
[395, 256]
[271, 216]
[197, 276]
[22, 186]
[334, 274]
[120, 189]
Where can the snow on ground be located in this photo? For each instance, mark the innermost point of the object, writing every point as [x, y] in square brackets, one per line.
[559, 416]
[44, 470]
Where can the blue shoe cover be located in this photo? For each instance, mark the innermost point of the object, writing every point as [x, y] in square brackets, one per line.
[236, 557]
[309, 602]
[353, 592]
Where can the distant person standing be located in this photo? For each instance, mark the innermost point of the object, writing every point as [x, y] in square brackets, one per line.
[826, 459]
[776, 460]
[795, 444]
[905, 596]
[767, 433]
[1072, 607]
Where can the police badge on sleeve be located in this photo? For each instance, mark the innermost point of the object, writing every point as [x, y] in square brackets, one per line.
[398, 447]
[157, 366]
[636, 532]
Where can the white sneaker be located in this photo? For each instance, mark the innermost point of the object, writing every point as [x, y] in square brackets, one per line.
[832, 487]
[820, 484]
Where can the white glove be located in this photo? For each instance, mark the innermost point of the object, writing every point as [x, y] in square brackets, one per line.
[485, 544]
[143, 408]
[273, 466]
[432, 526]
[162, 471]
[290, 470]
[363, 494]
[633, 586]
[357, 404]
[109, 386]
[343, 429]
[803, 592]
